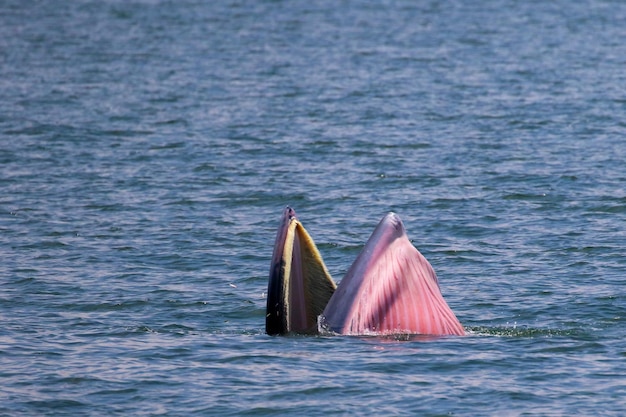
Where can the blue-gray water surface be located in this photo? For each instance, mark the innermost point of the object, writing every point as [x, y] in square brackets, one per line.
[147, 149]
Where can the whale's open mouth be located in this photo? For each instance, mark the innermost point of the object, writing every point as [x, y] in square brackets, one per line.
[389, 289]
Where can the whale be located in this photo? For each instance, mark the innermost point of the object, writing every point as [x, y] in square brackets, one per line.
[389, 289]
[299, 286]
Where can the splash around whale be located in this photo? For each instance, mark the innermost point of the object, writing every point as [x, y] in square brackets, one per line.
[389, 289]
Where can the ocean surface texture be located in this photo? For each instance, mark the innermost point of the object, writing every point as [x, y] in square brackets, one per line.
[148, 148]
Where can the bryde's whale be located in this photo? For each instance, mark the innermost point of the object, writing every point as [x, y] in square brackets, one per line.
[389, 289]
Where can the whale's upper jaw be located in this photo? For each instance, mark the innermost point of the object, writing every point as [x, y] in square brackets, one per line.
[299, 285]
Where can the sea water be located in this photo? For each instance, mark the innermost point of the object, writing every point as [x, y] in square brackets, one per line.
[148, 148]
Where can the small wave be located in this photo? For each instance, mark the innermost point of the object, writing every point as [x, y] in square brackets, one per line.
[518, 331]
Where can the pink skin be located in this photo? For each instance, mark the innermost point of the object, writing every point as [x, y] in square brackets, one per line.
[389, 289]
[297, 300]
